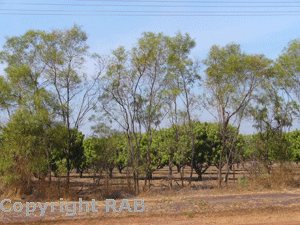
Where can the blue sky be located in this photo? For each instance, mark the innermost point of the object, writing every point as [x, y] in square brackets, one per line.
[257, 34]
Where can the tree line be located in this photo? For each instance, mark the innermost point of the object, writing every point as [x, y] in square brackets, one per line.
[146, 105]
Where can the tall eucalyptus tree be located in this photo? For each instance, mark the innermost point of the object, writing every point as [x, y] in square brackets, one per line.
[185, 72]
[232, 80]
[46, 71]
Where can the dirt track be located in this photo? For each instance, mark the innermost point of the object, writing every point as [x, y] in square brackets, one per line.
[258, 208]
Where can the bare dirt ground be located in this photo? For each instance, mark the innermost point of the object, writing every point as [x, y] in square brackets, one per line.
[196, 208]
[201, 204]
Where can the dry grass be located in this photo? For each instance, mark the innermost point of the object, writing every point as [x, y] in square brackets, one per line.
[109, 191]
[280, 177]
[262, 215]
[119, 187]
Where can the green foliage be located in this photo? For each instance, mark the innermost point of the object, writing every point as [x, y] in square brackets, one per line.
[23, 148]
[288, 67]
[233, 77]
[100, 152]
[45, 72]
[104, 153]
[23, 84]
[95, 152]
[272, 114]
[294, 140]
[5, 96]
[154, 80]
[77, 152]
[270, 147]
[208, 143]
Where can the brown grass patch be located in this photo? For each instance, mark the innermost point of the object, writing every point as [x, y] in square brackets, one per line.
[280, 177]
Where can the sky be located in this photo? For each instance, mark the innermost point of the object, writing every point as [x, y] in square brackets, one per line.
[264, 27]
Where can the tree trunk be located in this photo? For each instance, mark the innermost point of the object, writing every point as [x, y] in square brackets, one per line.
[137, 183]
[68, 172]
[220, 166]
[223, 149]
[178, 168]
[200, 176]
[128, 177]
[110, 172]
[227, 173]
[170, 173]
[149, 175]
[182, 176]
[49, 169]
[233, 173]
